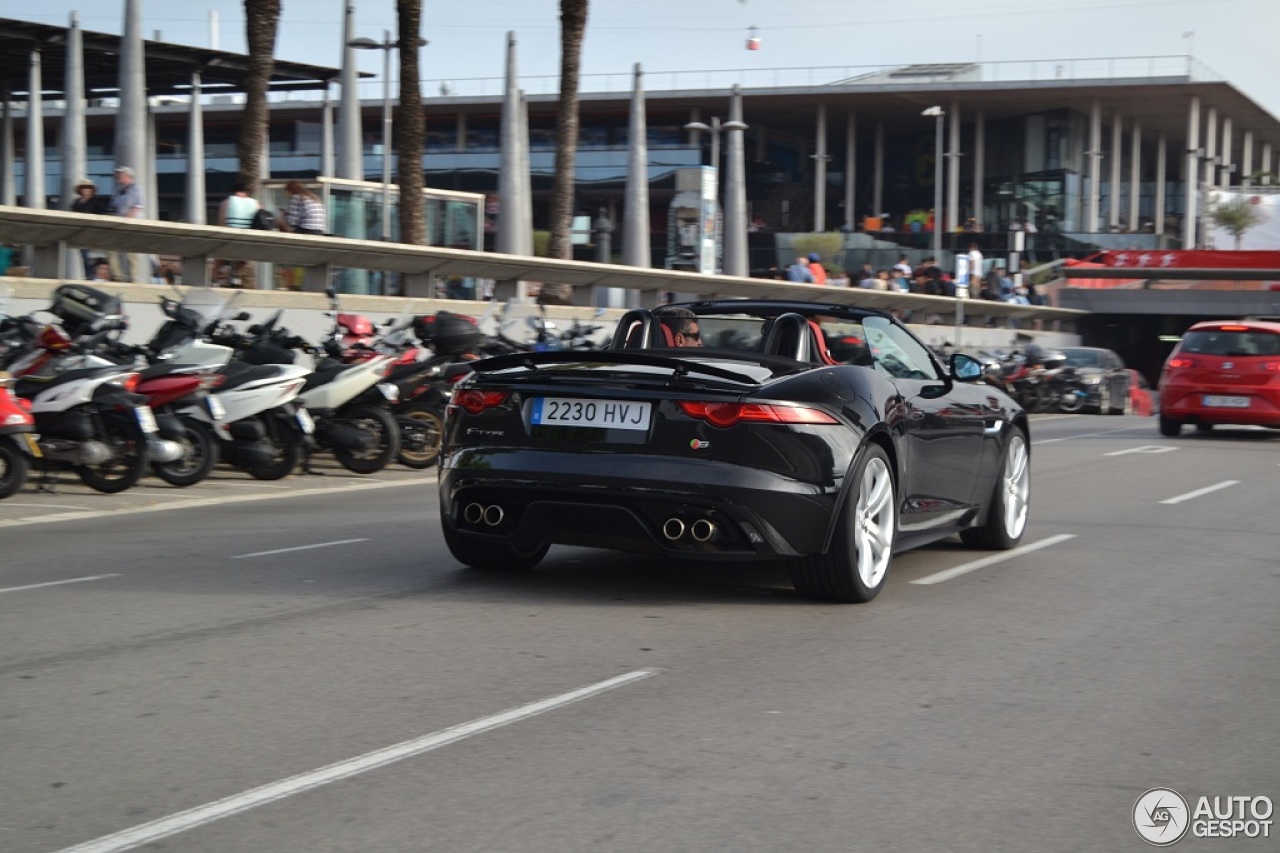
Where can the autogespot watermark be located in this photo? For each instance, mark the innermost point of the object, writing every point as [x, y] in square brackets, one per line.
[1162, 817]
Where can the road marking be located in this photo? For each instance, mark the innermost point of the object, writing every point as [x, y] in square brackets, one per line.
[196, 503]
[298, 548]
[1089, 435]
[1146, 448]
[58, 583]
[1198, 492]
[965, 568]
[148, 833]
[46, 506]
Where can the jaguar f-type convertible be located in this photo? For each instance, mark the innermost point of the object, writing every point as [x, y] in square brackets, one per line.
[823, 436]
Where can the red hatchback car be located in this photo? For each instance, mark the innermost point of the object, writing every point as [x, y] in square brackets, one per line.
[1222, 372]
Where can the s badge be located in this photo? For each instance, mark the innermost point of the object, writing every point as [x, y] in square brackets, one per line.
[699, 444]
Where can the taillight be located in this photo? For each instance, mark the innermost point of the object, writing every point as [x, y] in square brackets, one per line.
[728, 414]
[476, 401]
[130, 382]
[1180, 362]
[211, 380]
[1233, 328]
[1271, 366]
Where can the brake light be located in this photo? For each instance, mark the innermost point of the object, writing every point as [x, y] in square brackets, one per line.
[1233, 328]
[130, 382]
[211, 380]
[1181, 362]
[1271, 366]
[476, 401]
[728, 414]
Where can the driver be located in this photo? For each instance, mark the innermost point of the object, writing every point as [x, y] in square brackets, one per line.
[683, 324]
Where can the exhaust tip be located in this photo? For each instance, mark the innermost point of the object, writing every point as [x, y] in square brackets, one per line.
[473, 513]
[673, 528]
[702, 530]
[493, 515]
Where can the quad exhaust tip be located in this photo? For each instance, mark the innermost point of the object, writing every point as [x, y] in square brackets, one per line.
[673, 528]
[702, 530]
[699, 530]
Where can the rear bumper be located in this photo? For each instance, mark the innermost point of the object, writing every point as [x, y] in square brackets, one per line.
[1187, 405]
[634, 503]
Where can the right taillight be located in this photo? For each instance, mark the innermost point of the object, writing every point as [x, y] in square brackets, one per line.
[1180, 362]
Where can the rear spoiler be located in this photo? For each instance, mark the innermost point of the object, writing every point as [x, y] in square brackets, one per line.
[680, 367]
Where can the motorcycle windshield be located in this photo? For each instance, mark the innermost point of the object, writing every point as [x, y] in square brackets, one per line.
[199, 310]
[524, 325]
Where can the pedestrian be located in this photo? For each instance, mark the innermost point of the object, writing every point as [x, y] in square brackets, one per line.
[127, 202]
[305, 214]
[236, 211]
[88, 201]
[100, 271]
[799, 272]
[817, 271]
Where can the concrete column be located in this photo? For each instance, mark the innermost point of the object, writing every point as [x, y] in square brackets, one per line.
[1224, 175]
[350, 163]
[1094, 200]
[74, 163]
[34, 192]
[147, 174]
[877, 177]
[953, 172]
[8, 178]
[820, 171]
[1266, 164]
[196, 208]
[735, 190]
[1191, 176]
[131, 119]
[1211, 148]
[326, 135]
[1113, 198]
[851, 172]
[511, 238]
[979, 169]
[1135, 176]
[460, 133]
[1246, 160]
[635, 225]
[1162, 145]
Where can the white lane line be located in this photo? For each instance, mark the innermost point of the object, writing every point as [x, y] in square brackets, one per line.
[58, 583]
[196, 503]
[1089, 434]
[298, 548]
[1198, 492]
[191, 818]
[46, 506]
[1143, 448]
[965, 568]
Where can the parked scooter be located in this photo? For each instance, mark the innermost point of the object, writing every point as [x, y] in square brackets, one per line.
[18, 444]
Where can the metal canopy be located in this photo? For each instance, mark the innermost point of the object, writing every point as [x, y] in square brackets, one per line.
[168, 66]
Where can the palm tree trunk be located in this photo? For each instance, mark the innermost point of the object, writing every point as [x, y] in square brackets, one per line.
[573, 26]
[261, 18]
[410, 129]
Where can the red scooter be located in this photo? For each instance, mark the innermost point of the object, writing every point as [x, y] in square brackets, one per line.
[17, 439]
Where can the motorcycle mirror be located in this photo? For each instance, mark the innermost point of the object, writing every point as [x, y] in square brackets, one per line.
[243, 315]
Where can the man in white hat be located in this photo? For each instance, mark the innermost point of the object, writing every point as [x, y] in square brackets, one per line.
[127, 201]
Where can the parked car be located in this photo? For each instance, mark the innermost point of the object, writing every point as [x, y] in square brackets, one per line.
[824, 436]
[1143, 399]
[1102, 375]
[1222, 372]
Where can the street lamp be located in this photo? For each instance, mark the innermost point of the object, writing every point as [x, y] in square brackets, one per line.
[939, 114]
[386, 46]
[715, 127]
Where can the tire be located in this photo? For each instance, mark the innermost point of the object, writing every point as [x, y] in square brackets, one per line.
[479, 552]
[857, 562]
[287, 443]
[13, 468]
[1010, 501]
[429, 419]
[1169, 427]
[199, 456]
[386, 445]
[1070, 403]
[1104, 400]
[129, 462]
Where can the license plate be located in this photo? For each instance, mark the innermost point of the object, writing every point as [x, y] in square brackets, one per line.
[217, 411]
[305, 421]
[33, 444]
[1220, 402]
[601, 414]
[146, 419]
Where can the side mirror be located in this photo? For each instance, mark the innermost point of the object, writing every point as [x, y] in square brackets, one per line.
[243, 315]
[965, 368]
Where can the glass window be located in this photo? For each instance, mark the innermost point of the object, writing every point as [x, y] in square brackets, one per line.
[896, 352]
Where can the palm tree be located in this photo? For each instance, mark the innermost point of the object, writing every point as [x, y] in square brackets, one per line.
[410, 129]
[1235, 216]
[261, 18]
[573, 26]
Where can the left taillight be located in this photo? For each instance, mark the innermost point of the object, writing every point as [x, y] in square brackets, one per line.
[728, 414]
[129, 382]
[475, 401]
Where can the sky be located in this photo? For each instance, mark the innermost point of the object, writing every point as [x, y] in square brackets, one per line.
[467, 40]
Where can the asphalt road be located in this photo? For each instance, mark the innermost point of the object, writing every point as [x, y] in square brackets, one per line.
[244, 667]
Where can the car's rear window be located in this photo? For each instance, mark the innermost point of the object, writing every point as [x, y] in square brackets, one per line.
[1233, 343]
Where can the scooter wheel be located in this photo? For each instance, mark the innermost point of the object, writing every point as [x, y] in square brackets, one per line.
[13, 469]
[199, 455]
[429, 422]
[129, 458]
[386, 440]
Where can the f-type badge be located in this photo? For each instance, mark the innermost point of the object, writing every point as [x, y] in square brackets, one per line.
[699, 444]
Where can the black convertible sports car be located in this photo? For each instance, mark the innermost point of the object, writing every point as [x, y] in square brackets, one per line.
[825, 436]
